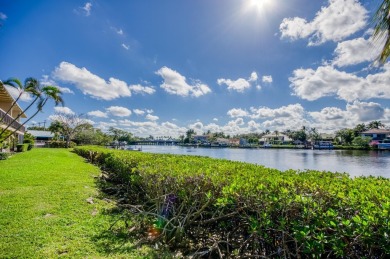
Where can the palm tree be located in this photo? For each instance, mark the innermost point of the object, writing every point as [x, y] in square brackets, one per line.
[382, 29]
[31, 86]
[375, 125]
[45, 94]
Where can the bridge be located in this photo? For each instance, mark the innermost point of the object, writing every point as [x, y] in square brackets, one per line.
[155, 142]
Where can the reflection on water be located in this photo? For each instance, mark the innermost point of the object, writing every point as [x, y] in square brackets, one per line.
[353, 162]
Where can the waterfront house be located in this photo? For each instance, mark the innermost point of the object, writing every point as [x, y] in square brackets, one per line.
[6, 101]
[234, 142]
[221, 142]
[376, 134]
[275, 139]
[327, 137]
[41, 137]
[201, 138]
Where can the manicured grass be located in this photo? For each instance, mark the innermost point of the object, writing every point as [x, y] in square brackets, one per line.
[44, 211]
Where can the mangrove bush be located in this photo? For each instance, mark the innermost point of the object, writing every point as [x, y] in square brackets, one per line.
[208, 207]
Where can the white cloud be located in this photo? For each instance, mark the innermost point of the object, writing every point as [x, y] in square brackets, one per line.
[237, 122]
[117, 31]
[91, 84]
[237, 113]
[151, 117]
[98, 114]
[119, 111]
[267, 79]
[197, 127]
[25, 97]
[312, 84]
[335, 22]
[126, 47]
[46, 80]
[292, 116]
[239, 85]
[215, 119]
[65, 90]
[175, 83]
[290, 111]
[87, 8]
[138, 112]
[64, 110]
[366, 111]
[3, 16]
[169, 125]
[149, 110]
[333, 118]
[253, 126]
[253, 77]
[139, 89]
[355, 51]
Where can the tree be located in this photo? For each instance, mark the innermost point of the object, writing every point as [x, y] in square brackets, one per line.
[361, 141]
[359, 129]
[382, 29]
[314, 135]
[375, 125]
[30, 87]
[56, 128]
[89, 135]
[189, 134]
[42, 96]
[68, 125]
[346, 135]
[300, 135]
[120, 135]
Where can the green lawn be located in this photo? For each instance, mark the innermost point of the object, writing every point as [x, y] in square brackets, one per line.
[44, 211]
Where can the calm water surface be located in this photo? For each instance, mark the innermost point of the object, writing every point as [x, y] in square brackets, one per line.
[353, 162]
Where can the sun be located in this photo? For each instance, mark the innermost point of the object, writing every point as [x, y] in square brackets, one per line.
[259, 4]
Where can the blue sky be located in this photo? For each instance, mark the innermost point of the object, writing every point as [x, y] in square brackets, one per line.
[237, 66]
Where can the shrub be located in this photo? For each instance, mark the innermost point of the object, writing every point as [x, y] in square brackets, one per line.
[22, 147]
[59, 144]
[210, 207]
[30, 143]
[3, 156]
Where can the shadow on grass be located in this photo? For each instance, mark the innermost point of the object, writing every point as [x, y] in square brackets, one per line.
[122, 237]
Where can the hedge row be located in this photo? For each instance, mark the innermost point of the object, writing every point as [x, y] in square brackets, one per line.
[211, 207]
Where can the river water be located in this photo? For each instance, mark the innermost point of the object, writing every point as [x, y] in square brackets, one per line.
[353, 162]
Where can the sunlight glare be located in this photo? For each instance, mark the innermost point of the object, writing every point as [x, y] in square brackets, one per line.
[259, 4]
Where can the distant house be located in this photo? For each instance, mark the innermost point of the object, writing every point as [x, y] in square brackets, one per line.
[222, 142]
[41, 136]
[275, 139]
[234, 142]
[327, 137]
[201, 138]
[6, 101]
[376, 134]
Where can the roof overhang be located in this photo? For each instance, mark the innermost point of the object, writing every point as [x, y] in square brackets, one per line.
[7, 97]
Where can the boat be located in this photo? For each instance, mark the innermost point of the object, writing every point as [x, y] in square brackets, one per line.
[134, 148]
[384, 144]
[323, 145]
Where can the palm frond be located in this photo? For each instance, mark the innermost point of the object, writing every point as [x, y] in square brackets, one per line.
[382, 29]
[14, 82]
